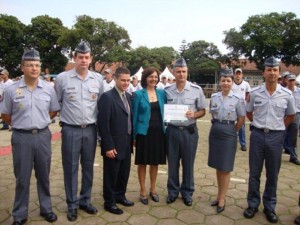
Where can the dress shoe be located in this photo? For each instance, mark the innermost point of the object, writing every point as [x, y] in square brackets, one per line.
[170, 200]
[144, 199]
[214, 203]
[90, 209]
[250, 212]
[19, 222]
[125, 202]
[72, 214]
[295, 161]
[114, 210]
[154, 197]
[50, 217]
[297, 220]
[271, 216]
[188, 201]
[243, 148]
[220, 208]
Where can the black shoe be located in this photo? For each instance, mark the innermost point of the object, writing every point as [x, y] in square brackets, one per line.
[114, 210]
[243, 148]
[19, 222]
[170, 200]
[295, 161]
[154, 197]
[144, 200]
[297, 220]
[287, 152]
[188, 201]
[271, 216]
[50, 217]
[72, 214]
[214, 203]
[125, 202]
[220, 208]
[90, 209]
[250, 212]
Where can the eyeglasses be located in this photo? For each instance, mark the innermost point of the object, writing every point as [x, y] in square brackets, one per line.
[37, 65]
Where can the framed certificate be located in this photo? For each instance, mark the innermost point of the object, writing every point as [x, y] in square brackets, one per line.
[175, 113]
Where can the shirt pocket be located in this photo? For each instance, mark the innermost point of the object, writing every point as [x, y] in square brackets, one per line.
[91, 94]
[72, 93]
[20, 102]
[260, 105]
[281, 106]
[190, 102]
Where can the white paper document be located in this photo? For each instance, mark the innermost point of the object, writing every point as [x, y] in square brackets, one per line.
[175, 113]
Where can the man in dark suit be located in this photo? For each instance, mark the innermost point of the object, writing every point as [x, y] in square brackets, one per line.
[115, 128]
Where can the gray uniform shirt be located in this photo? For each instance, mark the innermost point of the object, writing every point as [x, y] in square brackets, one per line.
[230, 108]
[269, 111]
[192, 95]
[296, 94]
[30, 109]
[78, 97]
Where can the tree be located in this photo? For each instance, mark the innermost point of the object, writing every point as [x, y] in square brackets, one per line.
[11, 43]
[108, 41]
[183, 47]
[267, 35]
[43, 34]
[156, 57]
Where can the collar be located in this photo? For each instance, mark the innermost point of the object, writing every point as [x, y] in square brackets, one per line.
[75, 74]
[120, 92]
[187, 87]
[23, 84]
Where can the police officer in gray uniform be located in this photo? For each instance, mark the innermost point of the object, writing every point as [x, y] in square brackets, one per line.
[78, 91]
[29, 105]
[182, 137]
[270, 108]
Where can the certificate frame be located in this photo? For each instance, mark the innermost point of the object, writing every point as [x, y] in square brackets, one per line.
[175, 113]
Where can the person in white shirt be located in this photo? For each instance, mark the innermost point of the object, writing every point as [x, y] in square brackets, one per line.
[242, 88]
[134, 85]
[4, 74]
[109, 82]
[163, 82]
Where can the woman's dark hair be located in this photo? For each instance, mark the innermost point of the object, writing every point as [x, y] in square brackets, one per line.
[146, 73]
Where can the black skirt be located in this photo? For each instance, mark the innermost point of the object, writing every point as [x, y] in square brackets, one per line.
[151, 148]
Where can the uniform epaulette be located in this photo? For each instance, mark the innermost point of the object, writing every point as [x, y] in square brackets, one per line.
[214, 95]
[168, 86]
[195, 85]
[238, 96]
[286, 90]
[255, 89]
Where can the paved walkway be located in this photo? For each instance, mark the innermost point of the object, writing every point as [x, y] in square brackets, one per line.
[155, 213]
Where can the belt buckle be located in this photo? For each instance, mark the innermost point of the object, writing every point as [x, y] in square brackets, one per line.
[266, 130]
[34, 131]
[83, 126]
[181, 128]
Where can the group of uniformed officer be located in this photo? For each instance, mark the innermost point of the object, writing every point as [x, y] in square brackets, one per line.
[30, 103]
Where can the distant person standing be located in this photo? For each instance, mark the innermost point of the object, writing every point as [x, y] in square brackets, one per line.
[29, 105]
[108, 82]
[270, 108]
[4, 84]
[78, 91]
[292, 129]
[182, 136]
[242, 88]
[115, 128]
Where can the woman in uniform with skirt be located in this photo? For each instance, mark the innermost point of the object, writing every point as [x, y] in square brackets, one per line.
[228, 115]
[149, 131]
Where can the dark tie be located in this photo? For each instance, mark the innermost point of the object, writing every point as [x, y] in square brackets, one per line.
[128, 112]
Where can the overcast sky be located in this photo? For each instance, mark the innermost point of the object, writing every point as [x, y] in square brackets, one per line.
[156, 23]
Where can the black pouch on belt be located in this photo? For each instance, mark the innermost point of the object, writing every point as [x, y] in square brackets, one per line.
[191, 129]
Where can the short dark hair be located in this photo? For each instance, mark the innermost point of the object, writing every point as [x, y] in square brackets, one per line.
[121, 70]
[146, 73]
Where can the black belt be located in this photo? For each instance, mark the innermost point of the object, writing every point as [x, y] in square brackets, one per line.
[33, 131]
[222, 121]
[77, 126]
[182, 127]
[266, 130]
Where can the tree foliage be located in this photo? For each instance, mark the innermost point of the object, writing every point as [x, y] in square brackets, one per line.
[267, 35]
[11, 43]
[108, 41]
[43, 34]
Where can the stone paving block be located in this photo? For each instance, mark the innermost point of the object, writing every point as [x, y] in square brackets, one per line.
[162, 212]
[218, 220]
[170, 222]
[142, 219]
[190, 216]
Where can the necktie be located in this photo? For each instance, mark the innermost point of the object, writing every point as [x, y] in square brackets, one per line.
[128, 112]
